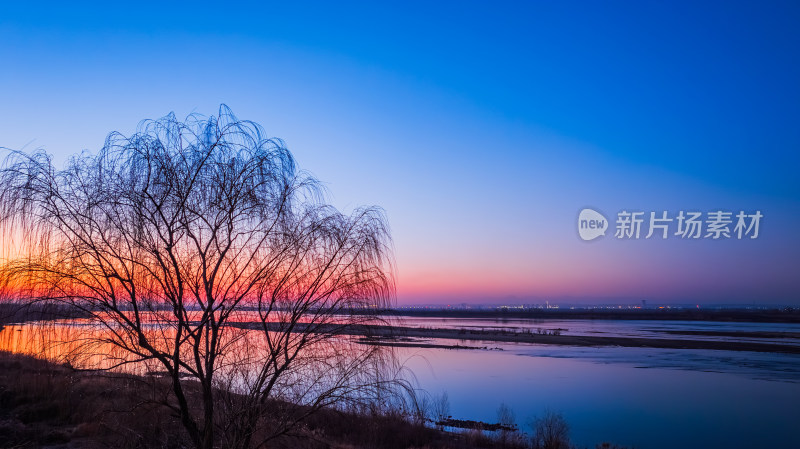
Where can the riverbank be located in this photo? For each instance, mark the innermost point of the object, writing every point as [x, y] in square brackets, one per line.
[417, 337]
[44, 405]
[783, 314]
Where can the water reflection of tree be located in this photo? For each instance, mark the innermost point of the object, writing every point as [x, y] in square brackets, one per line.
[165, 238]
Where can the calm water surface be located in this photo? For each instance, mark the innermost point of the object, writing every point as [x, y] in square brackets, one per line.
[643, 397]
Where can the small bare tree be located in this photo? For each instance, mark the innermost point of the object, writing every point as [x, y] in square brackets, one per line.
[198, 247]
[441, 408]
[550, 431]
[509, 435]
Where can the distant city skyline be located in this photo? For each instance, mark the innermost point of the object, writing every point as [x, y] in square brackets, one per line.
[481, 129]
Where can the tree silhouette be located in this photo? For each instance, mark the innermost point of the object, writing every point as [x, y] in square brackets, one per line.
[550, 431]
[199, 248]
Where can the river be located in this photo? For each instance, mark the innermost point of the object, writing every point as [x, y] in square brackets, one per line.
[643, 397]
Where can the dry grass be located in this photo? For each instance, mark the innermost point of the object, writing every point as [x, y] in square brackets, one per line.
[43, 405]
[53, 406]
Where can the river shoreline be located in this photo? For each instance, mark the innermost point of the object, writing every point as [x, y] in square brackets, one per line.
[778, 314]
[389, 336]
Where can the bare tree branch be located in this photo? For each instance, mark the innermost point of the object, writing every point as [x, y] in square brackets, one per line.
[169, 239]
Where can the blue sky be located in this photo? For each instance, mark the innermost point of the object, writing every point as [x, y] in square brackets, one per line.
[481, 128]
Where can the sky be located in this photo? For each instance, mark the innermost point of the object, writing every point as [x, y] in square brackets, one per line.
[481, 128]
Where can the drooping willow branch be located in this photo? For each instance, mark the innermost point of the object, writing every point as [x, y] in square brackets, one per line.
[165, 238]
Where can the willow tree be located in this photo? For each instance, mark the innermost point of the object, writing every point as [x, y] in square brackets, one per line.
[199, 247]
